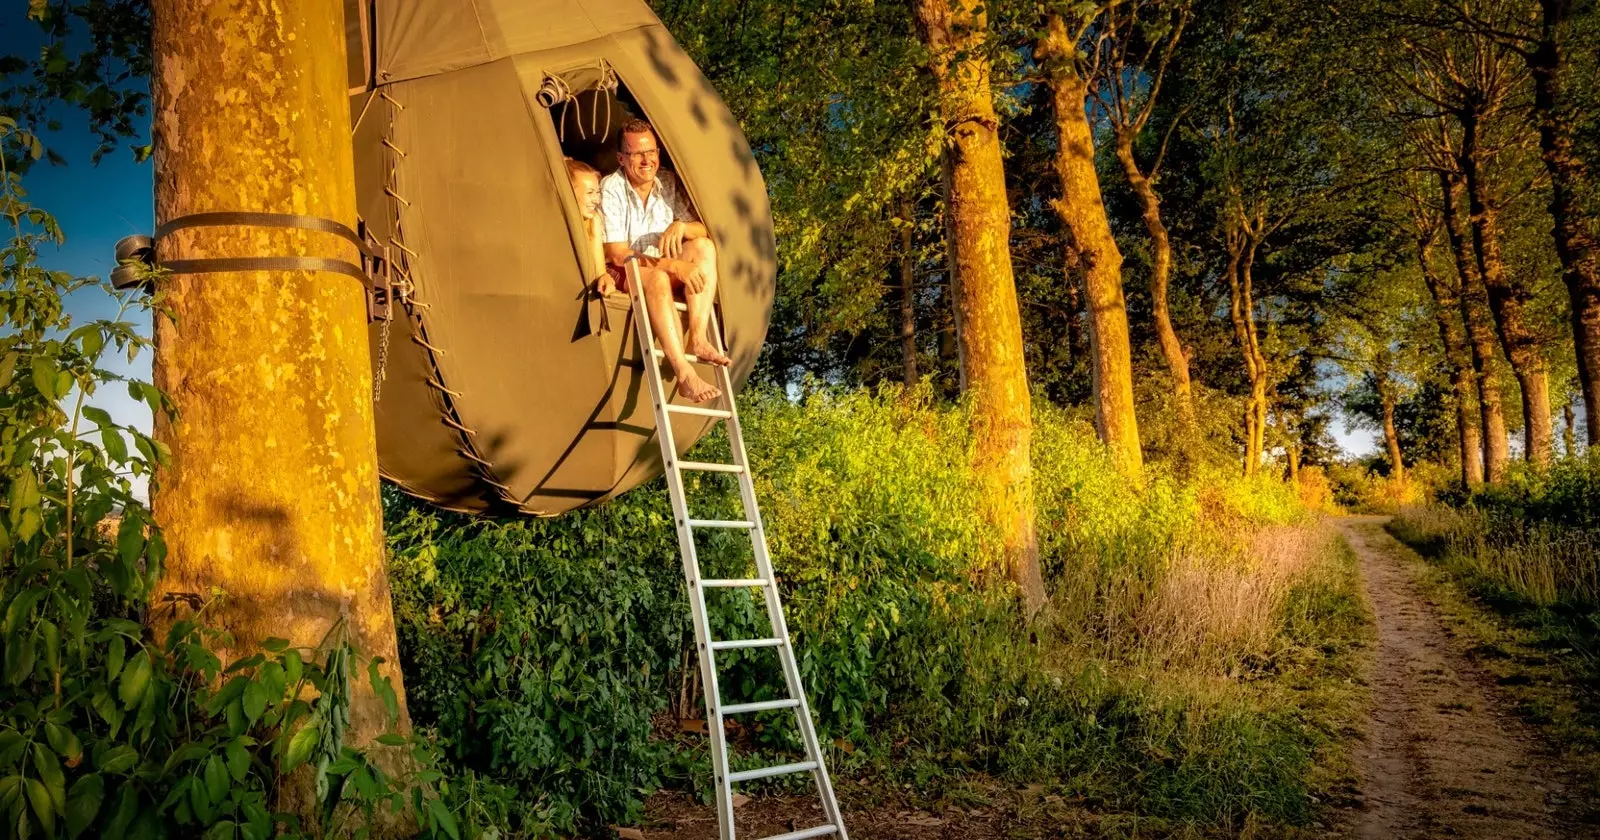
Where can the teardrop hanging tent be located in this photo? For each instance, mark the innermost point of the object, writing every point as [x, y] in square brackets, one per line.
[507, 384]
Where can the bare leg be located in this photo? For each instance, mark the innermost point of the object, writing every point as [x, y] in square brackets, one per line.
[664, 320]
[704, 255]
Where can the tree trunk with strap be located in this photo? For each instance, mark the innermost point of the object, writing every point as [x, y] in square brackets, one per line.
[272, 494]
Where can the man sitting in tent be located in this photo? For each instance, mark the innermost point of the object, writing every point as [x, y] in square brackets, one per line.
[648, 214]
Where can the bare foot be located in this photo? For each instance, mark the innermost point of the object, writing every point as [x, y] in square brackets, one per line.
[694, 389]
[708, 354]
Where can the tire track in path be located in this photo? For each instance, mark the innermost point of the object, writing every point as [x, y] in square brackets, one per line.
[1444, 757]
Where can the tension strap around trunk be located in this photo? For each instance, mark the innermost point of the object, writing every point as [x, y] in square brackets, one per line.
[373, 274]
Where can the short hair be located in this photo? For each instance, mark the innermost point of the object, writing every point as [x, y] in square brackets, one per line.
[634, 126]
[578, 167]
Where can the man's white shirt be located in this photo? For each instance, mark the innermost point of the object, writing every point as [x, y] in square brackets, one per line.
[640, 223]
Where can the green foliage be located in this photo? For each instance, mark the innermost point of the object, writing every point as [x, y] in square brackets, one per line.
[107, 730]
[550, 654]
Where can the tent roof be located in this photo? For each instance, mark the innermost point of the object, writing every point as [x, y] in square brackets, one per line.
[425, 37]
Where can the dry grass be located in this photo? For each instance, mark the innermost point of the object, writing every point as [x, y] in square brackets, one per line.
[1212, 611]
[1543, 562]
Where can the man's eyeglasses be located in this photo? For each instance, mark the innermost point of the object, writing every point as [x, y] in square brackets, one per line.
[647, 154]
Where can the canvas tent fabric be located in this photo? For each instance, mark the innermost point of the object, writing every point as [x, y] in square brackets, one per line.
[502, 390]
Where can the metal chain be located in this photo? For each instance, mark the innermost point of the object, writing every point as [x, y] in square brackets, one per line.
[382, 372]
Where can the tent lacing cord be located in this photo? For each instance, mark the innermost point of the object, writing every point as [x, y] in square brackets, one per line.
[449, 416]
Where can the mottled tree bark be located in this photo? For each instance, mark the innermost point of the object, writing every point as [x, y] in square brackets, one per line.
[272, 495]
[1083, 214]
[1458, 361]
[1172, 350]
[1478, 323]
[1576, 241]
[1507, 300]
[978, 220]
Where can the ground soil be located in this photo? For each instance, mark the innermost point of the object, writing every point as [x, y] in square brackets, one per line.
[1444, 755]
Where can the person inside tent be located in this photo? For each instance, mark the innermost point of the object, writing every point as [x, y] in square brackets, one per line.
[647, 215]
[586, 185]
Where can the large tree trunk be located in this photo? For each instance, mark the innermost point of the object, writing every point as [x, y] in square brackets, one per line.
[1172, 349]
[1507, 300]
[908, 300]
[272, 495]
[1458, 360]
[1242, 247]
[978, 219]
[1083, 214]
[1476, 318]
[1574, 230]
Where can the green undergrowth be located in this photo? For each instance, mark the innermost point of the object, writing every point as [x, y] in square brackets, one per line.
[1190, 670]
[1513, 576]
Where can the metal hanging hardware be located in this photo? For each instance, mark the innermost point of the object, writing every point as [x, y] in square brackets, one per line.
[765, 580]
[373, 272]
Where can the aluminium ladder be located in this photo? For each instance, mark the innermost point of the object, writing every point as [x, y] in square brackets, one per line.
[706, 647]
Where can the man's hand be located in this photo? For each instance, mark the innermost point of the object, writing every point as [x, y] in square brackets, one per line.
[606, 284]
[672, 240]
[686, 273]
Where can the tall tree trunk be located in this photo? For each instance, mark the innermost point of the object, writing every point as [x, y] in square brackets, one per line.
[1083, 214]
[1242, 246]
[1160, 279]
[1507, 300]
[1477, 320]
[1574, 230]
[272, 495]
[978, 218]
[908, 299]
[1458, 359]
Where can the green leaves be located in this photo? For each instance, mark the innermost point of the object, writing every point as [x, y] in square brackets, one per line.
[301, 744]
[135, 679]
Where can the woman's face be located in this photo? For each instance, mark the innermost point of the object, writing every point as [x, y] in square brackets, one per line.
[587, 187]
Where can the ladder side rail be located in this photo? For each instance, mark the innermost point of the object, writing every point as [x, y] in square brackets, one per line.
[686, 549]
[780, 626]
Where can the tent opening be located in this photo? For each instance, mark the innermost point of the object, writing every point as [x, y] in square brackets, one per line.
[589, 125]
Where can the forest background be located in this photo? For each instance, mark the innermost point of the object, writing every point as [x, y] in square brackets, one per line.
[1069, 296]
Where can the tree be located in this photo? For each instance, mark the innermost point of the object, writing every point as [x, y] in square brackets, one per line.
[988, 323]
[1452, 334]
[1067, 70]
[272, 496]
[1536, 33]
[1128, 88]
[1472, 81]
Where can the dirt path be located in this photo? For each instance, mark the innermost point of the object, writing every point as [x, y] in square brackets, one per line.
[1444, 757]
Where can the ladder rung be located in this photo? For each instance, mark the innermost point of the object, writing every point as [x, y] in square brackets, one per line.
[681, 307]
[804, 833]
[742, 524]
[662, 354]
[764, 772]
[763, 706]
[729, 583]
[736, 644]
[709, 467]
[697, 410]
